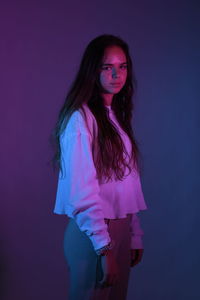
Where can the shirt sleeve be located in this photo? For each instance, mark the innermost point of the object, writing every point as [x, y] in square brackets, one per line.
[78, 188]
[136, 233]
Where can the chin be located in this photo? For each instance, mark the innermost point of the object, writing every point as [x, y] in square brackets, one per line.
[116, 90]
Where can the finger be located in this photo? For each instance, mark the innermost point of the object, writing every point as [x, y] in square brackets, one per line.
[133, 255]
[103, 280]
[140, 256]
[132, 263]
[109, 281]
[104, 283]
[135, 262]
[113, 280]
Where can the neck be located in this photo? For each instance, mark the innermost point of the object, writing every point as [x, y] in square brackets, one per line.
[107, 99]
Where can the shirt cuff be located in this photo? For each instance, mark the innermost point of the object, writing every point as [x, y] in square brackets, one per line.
[99, 240]
[136, 242]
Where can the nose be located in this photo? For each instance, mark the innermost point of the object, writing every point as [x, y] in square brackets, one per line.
[115, 73]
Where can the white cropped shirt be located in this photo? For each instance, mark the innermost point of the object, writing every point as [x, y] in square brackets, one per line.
[81, 196]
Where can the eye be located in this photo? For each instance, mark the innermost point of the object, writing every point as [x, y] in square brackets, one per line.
[106, 68]
[124, 67]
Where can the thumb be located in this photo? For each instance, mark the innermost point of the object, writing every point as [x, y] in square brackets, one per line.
[103, 271]
[133, 253]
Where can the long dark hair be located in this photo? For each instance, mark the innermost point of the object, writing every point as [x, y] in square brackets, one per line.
[112, 155]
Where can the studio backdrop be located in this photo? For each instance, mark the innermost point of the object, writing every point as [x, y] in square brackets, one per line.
[40, 49]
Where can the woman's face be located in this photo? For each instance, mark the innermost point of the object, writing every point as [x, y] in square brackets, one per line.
[113, 71]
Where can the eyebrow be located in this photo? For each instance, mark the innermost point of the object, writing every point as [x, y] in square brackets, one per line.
[124, 63]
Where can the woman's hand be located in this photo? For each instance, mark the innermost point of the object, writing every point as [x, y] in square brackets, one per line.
[136, 256]
[110, 270]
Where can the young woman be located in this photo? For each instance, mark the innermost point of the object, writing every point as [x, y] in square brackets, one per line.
[99, 186]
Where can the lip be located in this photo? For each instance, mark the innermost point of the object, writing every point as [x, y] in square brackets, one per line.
[115, 83]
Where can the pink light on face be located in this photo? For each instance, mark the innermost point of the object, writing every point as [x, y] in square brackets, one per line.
[113, 72]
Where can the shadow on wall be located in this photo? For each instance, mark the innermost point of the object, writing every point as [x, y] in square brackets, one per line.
[3, 271]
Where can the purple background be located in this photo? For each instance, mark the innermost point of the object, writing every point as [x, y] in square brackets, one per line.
[41, 45]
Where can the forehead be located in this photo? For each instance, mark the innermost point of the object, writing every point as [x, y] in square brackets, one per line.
[114, 54]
